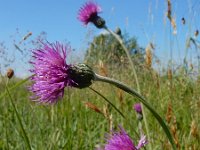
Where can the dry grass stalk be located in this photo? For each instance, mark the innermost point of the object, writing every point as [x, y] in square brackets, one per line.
[174, 132]
[156, 78]
[102, 68]
[93, 107]
[110, 119]
[106, 111]
[169, 16]
[169, 113]
[191, 66]
[108, 116]
[169, 74]
[194, 131]
[148, 56]
[166, 145]
[26, 37]
[122, 59]
[120, 96]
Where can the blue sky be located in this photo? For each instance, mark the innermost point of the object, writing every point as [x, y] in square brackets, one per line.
[144, 19]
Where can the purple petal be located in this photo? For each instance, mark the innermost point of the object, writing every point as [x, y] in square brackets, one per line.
[51, 72]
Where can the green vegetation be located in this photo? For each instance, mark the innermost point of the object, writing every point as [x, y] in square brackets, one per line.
[71, 125]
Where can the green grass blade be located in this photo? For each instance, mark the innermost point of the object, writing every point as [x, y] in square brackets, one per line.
[19, 119]
[15, 86]
[108, 102]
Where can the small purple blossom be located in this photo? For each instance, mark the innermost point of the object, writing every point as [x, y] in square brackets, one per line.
[142, 142]
[121, 141]
[138, 108]
[50, 72]
[89, 13]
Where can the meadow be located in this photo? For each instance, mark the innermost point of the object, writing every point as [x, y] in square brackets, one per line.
[70, 124]
[83, 118]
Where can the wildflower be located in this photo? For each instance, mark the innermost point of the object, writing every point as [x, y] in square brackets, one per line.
[122, 141]
[149, 56]
[138, 108]
[89, 13]
[52, 74]
[142, 142]
[10, 73]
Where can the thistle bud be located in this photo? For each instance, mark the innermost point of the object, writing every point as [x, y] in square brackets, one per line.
[196, 33]
[82, 75]
[183, 20]
[118, 31]
[98, 22]
[10, 73]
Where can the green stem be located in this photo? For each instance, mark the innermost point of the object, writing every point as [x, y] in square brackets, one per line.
[119, 39]
[19, 119]
[142, 99]
[108, 102]
[15, 86]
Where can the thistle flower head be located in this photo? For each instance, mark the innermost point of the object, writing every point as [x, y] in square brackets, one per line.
[51, 72]
[138, 108]
[89, 13]
[121, 141]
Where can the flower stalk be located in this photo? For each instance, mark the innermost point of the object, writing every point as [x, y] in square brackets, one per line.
[118, 38]
[19, 119]
[141, 99]
[90, 13]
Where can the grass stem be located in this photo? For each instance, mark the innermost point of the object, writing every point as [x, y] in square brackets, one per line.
[19, 119]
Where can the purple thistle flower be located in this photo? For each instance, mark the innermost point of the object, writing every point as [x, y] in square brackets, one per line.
[122, 141]
[138, 108]
[51, 72]
[89, 13]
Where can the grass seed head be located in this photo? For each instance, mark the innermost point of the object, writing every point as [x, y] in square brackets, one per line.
[169, 113]
[148, 56]
[194, 131]
[93, 107]
[169, 74]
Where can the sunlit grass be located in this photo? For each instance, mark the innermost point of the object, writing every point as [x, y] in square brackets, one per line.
[70, 125]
